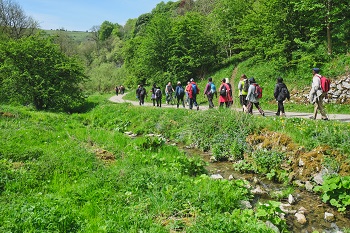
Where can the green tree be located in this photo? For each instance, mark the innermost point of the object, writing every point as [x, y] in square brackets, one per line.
[193, 52]
[105, 30]
[34, 71]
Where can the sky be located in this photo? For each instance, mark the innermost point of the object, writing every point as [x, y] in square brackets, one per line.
[82, 15]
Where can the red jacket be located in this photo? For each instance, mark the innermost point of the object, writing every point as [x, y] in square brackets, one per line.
[190, 91]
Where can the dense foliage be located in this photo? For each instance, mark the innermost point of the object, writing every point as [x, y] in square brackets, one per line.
[34, 71]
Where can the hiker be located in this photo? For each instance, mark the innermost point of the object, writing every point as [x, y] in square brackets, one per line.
[193, 90]
[187, 91]
[210, 91]
[179, 94]
[253, 98]
[116, 90]
[122, 89]
[281, 93]
[316, 95]
[224, 91]
[153, 96]
[230, 102]
[142, 94]
[243, 86]
[168, 92]
[158, 94]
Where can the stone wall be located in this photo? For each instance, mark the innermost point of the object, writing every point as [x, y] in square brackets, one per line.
[339, 92]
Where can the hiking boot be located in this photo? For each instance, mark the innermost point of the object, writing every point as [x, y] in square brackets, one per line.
[325, 119]
[197, 108]
[277, 113]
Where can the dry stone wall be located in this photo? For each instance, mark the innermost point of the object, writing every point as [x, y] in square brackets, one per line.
[339, 92]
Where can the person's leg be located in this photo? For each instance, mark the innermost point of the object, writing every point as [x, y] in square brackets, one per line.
[191, 103]
[278, 108]
[195, 101]
[250, 107]
[315, 109]
[257, 105]
[281, 108]
[321, 108]
[183, 102]
[210, 101]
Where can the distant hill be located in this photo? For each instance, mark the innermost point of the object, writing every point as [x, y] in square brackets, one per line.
[78, 36]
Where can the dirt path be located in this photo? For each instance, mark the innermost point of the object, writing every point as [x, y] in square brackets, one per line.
[339, 117]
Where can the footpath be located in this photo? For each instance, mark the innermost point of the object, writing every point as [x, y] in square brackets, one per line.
[338, 117]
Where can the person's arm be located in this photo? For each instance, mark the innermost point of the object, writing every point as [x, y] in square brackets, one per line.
[240, 86]
[276, 91]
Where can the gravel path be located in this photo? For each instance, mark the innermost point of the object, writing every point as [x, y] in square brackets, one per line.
[339, 117]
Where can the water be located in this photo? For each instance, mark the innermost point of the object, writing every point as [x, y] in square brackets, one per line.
[315, 208]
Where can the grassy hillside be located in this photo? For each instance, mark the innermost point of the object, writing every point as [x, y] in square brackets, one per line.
[77, 36]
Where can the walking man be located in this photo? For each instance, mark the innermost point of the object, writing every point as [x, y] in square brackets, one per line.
[316, 95]
[210, 91]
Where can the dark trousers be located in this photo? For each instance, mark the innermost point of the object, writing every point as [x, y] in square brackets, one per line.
[280, 107]
[159, 102]
[180, 99]
[193, 101]
[210, 100]
[243, 100]
[142, 99]
[227, 104]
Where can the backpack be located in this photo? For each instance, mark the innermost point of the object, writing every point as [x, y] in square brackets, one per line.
[258, 91]
[142, 91]
[180, 91]
[158, 93]
[212, 88]
[245, 85]
[325, 83]
[194, 89]
[223, 90]
[284, 93]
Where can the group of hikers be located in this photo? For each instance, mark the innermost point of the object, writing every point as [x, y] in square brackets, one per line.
[119, 89]
[249, 94]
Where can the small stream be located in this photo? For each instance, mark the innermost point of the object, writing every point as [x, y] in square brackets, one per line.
[315, 208]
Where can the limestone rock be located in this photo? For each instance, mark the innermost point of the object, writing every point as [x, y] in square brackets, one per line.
[216, 177]
[300, 218]
[329, 217]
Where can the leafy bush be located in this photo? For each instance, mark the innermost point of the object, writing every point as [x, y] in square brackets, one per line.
[34, 71]
[336, 191]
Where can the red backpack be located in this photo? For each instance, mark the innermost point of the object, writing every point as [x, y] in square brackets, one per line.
[258, 91]
[325, 83]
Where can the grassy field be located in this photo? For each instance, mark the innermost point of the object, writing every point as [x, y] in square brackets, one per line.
[77, 36]
[80, 172]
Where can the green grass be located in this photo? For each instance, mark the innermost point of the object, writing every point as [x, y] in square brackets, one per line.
[52, 178]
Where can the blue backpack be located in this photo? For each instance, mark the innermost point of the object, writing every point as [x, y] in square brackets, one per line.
[194, 89]
[180, 91]
[212, 88]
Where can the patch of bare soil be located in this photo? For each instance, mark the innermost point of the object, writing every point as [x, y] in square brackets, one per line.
[6, 114]
[104, 155]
